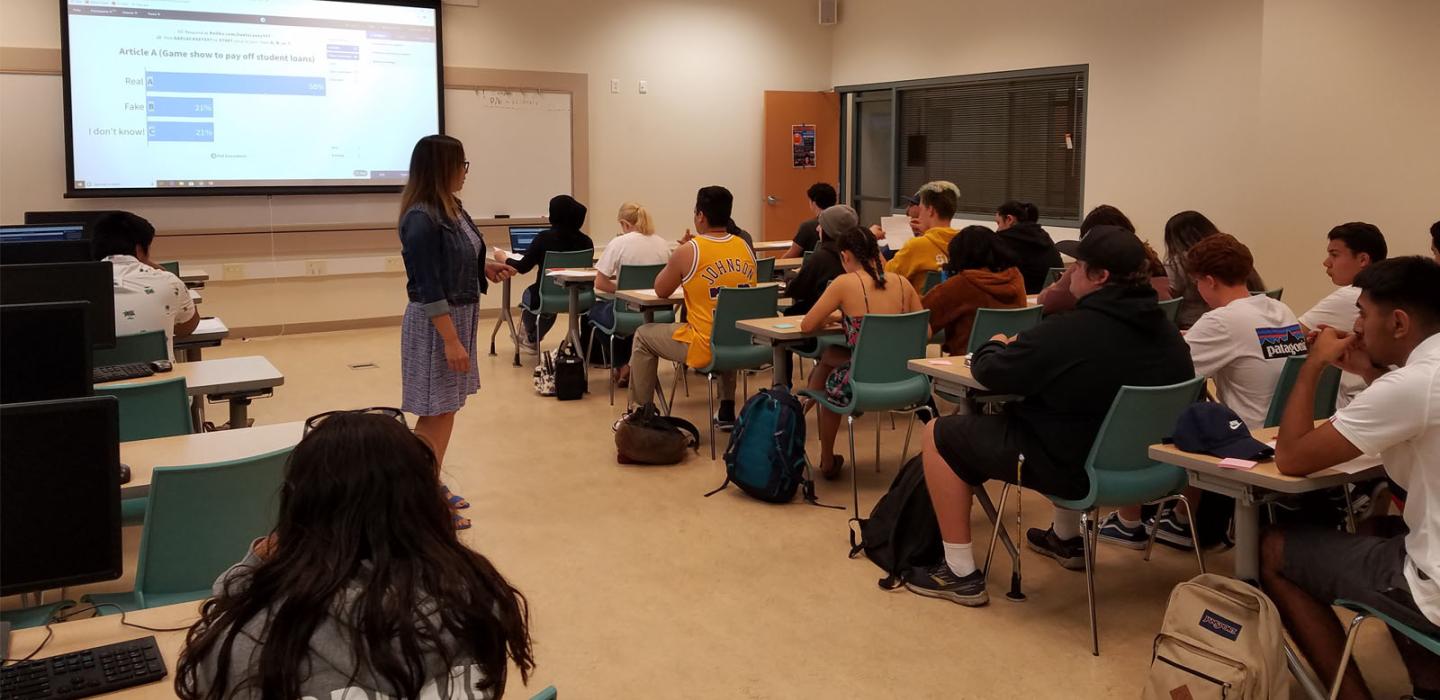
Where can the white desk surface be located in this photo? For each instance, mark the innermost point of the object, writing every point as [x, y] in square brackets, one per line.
[1264, 474]
[142, 456]
[223, 376]
[949, 370]
[764, 246]
[648, 298]
[789, 263]
[782, 329]
[193, 274]
[572, 275]
[196, 296]
[209, 330]
[78, 635]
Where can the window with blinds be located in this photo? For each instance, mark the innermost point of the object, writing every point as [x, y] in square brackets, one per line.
[1000, 136]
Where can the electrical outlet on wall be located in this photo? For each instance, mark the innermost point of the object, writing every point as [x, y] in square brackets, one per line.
[233, 271]
[644, 87]
[615, 85]
[314, 268]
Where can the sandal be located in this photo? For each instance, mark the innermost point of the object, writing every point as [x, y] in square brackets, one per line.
[836, 464]
[459, 521]
[456, 501]
[622, 377]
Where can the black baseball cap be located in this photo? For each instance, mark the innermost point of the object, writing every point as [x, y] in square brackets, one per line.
[1214, 429]
[912, 200]
[1109, 248]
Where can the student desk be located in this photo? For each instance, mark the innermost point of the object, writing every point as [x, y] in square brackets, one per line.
[1252, 487]
[78, 635]
[142, 456]
[196, 297]
[771, 246]
[788, 264]
[949, 374]
[507, 319]
[646, 301]
[780, 333]
[574, 280]
[208, 334]
[233, 379]
[193, 275]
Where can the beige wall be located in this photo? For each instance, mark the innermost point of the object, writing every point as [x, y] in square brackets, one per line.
[1277, 118]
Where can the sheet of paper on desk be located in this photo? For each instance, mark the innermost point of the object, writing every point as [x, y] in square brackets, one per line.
[938, 362]
[1357, 465]
[1233, 463]
[897, 231]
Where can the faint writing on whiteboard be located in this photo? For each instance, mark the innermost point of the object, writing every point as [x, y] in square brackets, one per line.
[525, 99]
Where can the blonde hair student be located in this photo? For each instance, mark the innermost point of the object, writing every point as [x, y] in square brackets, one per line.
[634, 217]
[637, 244]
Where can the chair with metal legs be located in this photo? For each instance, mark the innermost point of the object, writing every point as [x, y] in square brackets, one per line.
[1364, 612]
[731, 349]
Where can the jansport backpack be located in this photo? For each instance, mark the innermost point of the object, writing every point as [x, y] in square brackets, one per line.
[1221, 638]
[645, 436]
[766, 456]
[901, 532]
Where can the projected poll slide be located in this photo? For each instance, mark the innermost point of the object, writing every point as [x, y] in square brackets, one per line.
[180, 96]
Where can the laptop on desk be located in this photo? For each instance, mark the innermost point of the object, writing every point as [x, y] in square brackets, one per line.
[521, 237]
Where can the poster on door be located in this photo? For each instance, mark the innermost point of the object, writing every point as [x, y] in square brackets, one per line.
[802, 142]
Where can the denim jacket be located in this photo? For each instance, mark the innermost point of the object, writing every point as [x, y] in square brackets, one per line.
[441, 268]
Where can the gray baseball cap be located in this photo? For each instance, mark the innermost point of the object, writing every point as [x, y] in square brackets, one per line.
[838, 218]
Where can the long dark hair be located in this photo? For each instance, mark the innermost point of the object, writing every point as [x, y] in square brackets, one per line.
[1182, 231]
[1105, 215]
[1024, 212]
[434, 163]
[978, 248]
[862, 246]
[361, 514]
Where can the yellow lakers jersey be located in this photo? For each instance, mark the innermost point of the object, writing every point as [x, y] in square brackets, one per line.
[719, 262]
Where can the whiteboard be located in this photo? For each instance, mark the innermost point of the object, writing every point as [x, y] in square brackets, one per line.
[518, 145]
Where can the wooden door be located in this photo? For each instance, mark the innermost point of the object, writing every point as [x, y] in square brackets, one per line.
[790, 116]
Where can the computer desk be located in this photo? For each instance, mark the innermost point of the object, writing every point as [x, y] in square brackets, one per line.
[78, 635]
[237, 380]
[208, 334]
[193, 275]
[143, 456]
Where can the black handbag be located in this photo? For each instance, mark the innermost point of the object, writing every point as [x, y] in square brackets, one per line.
[571, 380]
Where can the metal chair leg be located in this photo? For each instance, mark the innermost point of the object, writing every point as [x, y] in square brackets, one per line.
[877, 443]
[1150, 541]
[613, 369]
[710, 396]
[854, 480]
[905, 450]
[995, 533]
[1349, 509]
[1194, 531]
[1350, 636]
[1087, 534]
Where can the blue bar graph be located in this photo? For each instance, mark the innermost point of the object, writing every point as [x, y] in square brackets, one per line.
[224, 83]
[157, 106]
[180, 132]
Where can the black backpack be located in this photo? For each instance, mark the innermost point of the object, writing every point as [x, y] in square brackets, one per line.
[570, 373]
[902, 531]
[646, 436]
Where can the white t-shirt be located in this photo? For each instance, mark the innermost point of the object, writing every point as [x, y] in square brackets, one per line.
[147, 299]
[1398, 417]
[1337, 310]
[1243, 346]
[633, 248]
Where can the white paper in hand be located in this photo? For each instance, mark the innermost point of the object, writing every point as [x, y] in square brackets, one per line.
[897, 231]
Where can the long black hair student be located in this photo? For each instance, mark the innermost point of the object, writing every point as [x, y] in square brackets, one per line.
[978, 248]
[363, 566]
[865, 250]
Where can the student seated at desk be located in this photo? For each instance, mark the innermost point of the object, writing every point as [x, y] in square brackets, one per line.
[1057, 297]
[563, 236]
[1068, 371]
[983, 275]
[702, 265]
[1242, 343]
[362, 588]
[912, 212]
[929, 251]
[1352, 247]
[147, 298]
[865, 288]
[820, 196]
[637, 244]
[1394, 566]
[824, 264]
[1181, 232]
[1033, 249]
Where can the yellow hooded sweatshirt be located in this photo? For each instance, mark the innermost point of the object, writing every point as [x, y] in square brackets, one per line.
[921, 255]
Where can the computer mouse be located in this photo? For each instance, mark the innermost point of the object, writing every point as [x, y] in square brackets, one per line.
[124, 473]
[161, 366]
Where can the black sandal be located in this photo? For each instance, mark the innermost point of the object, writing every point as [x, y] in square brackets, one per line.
[836, 464]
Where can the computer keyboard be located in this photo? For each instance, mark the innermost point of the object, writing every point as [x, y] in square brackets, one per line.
[115, 373]
[84, 673]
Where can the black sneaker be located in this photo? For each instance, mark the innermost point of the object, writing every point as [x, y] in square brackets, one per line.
[725, 417]
[1070, 553]
[940, 582]
[1169, 530]
[1115, 532]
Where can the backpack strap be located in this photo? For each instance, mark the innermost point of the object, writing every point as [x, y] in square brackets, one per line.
[686, 427]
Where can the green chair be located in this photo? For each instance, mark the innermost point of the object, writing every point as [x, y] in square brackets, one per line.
[171, 266]
[553, 297]
[989, 322]
[626, 321]
[765, 269]
[130, 349]
[731, 349]
[880, 379]
[1325, 392]
[149, 410]
[1364, 612]
[547, 694]
[1171, 307]
[200, 521]
[821, 343]
[1052, 276]
[932, 280]
[1121, 472]
[1272, 293]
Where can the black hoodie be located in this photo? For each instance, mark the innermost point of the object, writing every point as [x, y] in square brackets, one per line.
[563, 236]
[1034, 251]
[1070, 367]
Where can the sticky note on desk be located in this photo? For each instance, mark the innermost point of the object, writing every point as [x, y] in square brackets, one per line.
[783, 326]
[1232, 463]
[938, 362]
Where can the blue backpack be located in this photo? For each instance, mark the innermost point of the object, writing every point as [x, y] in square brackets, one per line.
[766, 456]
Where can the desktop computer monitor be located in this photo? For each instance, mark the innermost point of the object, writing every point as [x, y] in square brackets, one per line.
[83, 218]
[43, 232]
[75, 281]
[45, 351]
[522, 236]
[59, 494]
[31, 252]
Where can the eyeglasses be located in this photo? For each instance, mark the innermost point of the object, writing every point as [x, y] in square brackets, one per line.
[467, 166]
[315, 421]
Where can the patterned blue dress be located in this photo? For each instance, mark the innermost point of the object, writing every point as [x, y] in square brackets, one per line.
[430, 388]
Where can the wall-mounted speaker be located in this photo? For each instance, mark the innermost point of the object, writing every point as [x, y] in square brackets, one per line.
[829, 12]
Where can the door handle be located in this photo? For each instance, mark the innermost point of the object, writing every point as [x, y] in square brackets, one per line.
[772, 200]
